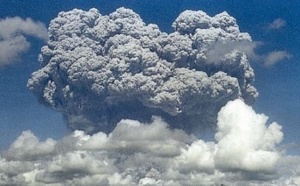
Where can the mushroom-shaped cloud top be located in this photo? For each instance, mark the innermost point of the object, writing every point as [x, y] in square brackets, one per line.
[98, 69]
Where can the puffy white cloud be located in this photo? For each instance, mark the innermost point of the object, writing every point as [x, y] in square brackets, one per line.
[99, 69]
[28, 147]
[199, 156]
[244, 140]
[13, 33]
[136, 153]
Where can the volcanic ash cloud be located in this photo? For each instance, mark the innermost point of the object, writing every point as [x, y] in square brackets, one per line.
[98, 69]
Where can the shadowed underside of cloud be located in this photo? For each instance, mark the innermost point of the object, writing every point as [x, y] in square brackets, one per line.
[243, 153]
[13, 33]
[98, 69]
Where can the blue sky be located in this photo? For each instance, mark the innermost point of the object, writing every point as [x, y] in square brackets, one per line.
[273, 25]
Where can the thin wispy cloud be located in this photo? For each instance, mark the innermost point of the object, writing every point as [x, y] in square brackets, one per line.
[274, 57]
[13, 37]
[277, 24]
[266, 59]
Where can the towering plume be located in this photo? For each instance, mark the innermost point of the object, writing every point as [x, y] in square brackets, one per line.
[99, 69]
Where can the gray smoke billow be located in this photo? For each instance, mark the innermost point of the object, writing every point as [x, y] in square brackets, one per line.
[98, 69]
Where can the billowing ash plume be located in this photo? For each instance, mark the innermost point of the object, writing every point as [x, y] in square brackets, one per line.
[99, 69]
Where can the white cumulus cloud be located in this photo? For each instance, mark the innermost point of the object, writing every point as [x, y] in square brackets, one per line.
[134, 153]
[13, 34]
